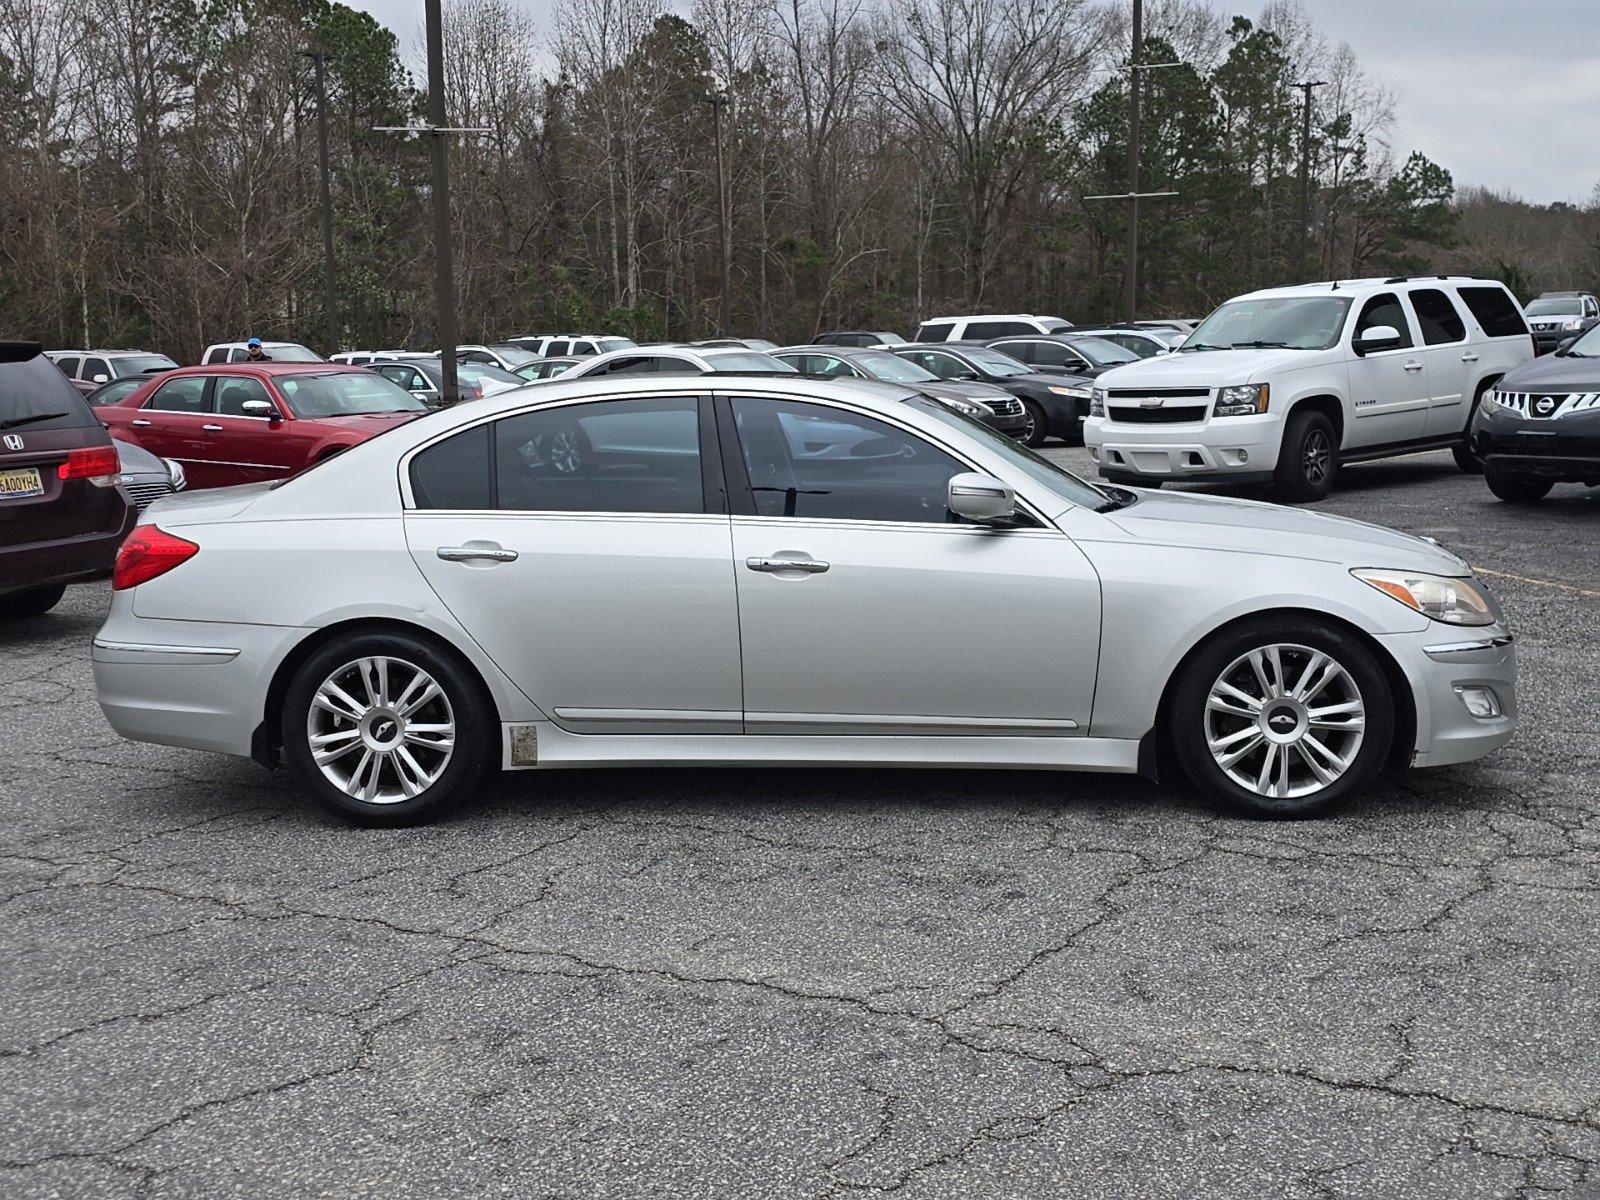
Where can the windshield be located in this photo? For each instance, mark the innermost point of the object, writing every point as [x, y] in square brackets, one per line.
[1103, 353]
[996, 363]
[1554, 306]
[1295, 322]
[1041, 470]
[880, 364]
[607, 344]
[345, 394]
[745, 362]
[516, 355]
[291, 352]
[480, 371]
[121, 368]
[1588, 346]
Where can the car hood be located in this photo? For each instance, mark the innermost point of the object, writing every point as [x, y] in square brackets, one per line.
[1558, 374]
[367, 422]
[1204, 368]
[136, 460]
[961, 389]
[1250, 526]
[1054, 379]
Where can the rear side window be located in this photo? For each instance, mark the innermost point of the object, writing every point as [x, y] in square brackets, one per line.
[1495, 310]
[35, 395]
[1028, 352]
[454, 473]
[935, 331]
[68, 365]
[1440, 322]
[186, 394]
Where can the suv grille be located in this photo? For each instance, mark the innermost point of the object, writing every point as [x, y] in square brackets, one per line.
[1532, 404]
[144, 495]
[1156, 416]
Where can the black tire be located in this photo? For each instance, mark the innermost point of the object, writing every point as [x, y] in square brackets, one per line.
[1308, 462]
[1122, 480]
[1517, 489]
[1038, 425]
[474, 719]
[1466, 459]
[1188, 718]
[34, 602]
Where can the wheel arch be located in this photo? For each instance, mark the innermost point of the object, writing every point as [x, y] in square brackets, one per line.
[1326, 403]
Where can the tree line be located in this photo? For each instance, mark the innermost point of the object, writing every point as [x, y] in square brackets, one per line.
[886, 160]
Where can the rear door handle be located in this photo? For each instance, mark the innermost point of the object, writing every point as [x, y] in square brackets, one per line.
[1470, 356]
[771, 566]
[211, 428]
[473, 553]
[139, 423]
[1413, 365]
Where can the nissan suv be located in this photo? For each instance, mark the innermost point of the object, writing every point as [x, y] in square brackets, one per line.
[1556, 317]
[62, 515]
[1285, 385]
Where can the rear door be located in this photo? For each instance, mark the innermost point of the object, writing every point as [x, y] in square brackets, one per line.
[172, 424]
[1452, 365]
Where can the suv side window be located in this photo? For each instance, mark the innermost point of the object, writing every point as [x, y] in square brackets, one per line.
[1384, 309]
[556, 346]
[93, 367]
[935, 331]
[69, 365]
[186, 394]
[1495, 310]
[983, 330]
[632, 456]
[1590, 307]
[1437, 317]
[813, 461]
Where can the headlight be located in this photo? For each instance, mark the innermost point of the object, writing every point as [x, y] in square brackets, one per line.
[1075, 393]
[967, 408]
[180, 478]
[1572, 326]
[1244, 400]
[1490, 402]
[1453, 601]
[1097, 402]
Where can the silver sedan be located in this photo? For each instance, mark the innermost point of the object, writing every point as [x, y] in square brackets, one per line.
[785, 572]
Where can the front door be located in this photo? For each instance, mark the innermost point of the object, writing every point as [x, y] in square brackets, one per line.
[586, 548]
[1388, 388]
[866, 608]
[244, 448]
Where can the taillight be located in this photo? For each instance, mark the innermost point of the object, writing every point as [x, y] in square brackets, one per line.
[148, 552]
[99, 465]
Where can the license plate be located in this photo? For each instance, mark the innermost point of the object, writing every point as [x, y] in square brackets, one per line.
[20, 483]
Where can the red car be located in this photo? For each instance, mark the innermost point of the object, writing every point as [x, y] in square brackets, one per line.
[244, 422]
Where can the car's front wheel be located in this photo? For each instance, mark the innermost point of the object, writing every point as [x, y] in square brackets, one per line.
[1038, 425]
[1308, 460]
[1283, 717]
[1517, 489]
[387, 729]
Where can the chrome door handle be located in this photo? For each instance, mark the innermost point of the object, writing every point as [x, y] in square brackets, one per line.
[139, 423]
[1413, 365]
[471, 553]
[1470, 356]
[211, 428]
[769, 566]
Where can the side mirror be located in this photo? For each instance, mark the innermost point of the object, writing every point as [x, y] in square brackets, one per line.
[1565, 344]
[980, 497]
[260, 408]
[100, 379]
[1378, 337]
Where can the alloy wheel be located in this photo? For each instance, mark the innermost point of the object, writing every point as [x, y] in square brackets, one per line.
[381, 729]
[1317, 457]
[1285, 721]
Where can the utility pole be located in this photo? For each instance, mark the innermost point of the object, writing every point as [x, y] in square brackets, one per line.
[1306, 87]
[1130, 282]
[320, 58]
[437, 130]
[718, 99]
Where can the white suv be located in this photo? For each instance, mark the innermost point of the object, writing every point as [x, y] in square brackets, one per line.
[1282, 386]
[982, 327]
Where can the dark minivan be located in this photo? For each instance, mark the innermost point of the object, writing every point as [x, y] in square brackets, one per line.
[62, 515]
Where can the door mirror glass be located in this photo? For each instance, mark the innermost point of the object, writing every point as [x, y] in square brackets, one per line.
[1378, 337]
[980, 497]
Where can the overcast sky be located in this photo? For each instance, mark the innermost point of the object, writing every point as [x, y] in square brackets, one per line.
[1500, 92]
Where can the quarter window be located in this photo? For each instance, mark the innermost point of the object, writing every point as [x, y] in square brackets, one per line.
[1384, 309]
[454, 473]
[1495, 311]
[813, 461]
[184, 395]
[1437, 317]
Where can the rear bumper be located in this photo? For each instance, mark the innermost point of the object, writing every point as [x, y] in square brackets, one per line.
[67, 560]
[1216, 452]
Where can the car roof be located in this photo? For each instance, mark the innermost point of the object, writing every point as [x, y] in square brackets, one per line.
[264, 344]
[265, 368]
[996, 317]
[1374, 283]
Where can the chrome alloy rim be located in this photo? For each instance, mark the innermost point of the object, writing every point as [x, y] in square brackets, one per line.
[381, 730]
[1284, 721]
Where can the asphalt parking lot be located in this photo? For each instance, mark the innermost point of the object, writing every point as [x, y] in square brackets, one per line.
[834, 983]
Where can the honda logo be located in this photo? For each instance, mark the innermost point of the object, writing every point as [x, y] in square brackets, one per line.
[13, 441]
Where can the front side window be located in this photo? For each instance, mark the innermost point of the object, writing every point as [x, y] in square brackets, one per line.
[944, 366]
[69, 364]
[1384, 309]
[96, 368]
[233, 394]
[557, 346]
[626, 456]
[186, 394]
[822, 463]
[1437, 317]
[1294, 322]
[346, 394]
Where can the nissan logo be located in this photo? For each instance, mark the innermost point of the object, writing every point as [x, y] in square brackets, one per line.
[1544, 405]
[13, 441]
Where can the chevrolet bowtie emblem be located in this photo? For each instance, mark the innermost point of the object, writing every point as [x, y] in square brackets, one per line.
[1150, 402]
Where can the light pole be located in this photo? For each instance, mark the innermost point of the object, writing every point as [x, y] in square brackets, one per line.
[1306, 87]
[320, 58]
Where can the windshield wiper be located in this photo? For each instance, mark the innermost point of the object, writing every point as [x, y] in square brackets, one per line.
[1116, 498]
[1258, 345]
[1202, 346]
[15, 421]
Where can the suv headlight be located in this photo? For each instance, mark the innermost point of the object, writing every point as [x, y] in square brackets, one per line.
[1572, 325]
[1242, 400]
[1097, 402]
[1453, 601]
[1490, 402]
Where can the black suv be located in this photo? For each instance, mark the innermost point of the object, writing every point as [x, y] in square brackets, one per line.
[1540, 426]
[1556, 317]
[62, 515]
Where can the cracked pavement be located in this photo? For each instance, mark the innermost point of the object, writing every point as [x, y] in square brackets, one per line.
[734, 983]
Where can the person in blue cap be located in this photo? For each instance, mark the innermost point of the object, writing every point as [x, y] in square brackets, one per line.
[254, 352]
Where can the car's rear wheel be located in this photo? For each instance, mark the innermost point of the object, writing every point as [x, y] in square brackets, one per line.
[1517, 489]
[1466, 458]
[1038, 426]
[1283, 717]
[1309, 459]
[33, 602]
[386, 729]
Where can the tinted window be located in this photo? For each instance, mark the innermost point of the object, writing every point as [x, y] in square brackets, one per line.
[557, 346]
[979, 330]
[233, 393]
[1384, 309]
[809, 460]
[35, 395]
[1495, 311]
[186, 394]
[96, 366]
[68, 365]
[1028, 352]
[632, 365]
[639, 456]
[935, 331]
[1438, 318]
[454, 473]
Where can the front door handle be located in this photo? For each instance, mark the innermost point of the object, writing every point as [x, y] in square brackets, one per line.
[1413, 365]
[473, 553]
[772, 566]
[211, 428]
[1470, 356]
[139, 423]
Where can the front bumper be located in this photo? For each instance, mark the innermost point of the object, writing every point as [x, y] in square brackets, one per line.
[1443, 663]
[1227, 449]
[1013, 425]
[1564, 448]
